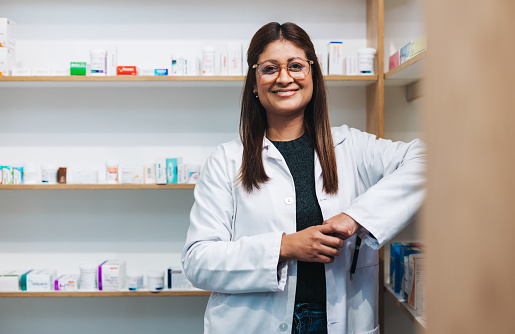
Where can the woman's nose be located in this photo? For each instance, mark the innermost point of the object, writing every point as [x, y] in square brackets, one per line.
[284, 77]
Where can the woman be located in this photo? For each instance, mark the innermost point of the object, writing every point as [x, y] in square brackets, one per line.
[277, 212]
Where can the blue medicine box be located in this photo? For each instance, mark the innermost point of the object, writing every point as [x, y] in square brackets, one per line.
[161, 71]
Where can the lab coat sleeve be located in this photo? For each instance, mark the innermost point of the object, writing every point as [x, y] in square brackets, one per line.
[211, 259]
[393, 176]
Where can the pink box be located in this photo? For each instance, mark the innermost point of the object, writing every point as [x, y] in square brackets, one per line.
[394, 60]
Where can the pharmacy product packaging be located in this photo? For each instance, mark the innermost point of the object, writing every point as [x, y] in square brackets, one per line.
[404, 53]
[111, 275]
[417, 46]
[335, 58]
[351, 67]
[7, 175]
[161, 171]
[17, 175]
[420, 289]
[191, 66]
[234, 55]
[171, 169]
[176, 280]
[112, 60]
[127, 70]
[395, 264]
[394, 61]
[42, 72]
[38, 280]
[67, 283]
[21, 72]
[10, 280]
[7, 33]
[135, 280]
[405, 254]
[182, 173]
[7, 61]
[177, 64]
[132, 174]
[161, 71]
[415, 264]
[322, 60]
[150, 174]
[193, 173]
[78, 68]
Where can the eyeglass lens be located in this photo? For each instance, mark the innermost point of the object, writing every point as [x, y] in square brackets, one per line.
[297, 69]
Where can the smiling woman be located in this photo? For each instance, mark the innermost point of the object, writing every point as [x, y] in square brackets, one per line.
[276, 211]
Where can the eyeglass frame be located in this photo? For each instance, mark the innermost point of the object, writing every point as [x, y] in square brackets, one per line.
[310, 62]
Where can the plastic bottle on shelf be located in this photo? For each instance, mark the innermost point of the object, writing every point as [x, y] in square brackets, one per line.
[366, 61]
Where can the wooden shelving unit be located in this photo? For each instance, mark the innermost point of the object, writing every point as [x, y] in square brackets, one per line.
[85, 294]
[401, 303]
[407, 72]
[96, 186]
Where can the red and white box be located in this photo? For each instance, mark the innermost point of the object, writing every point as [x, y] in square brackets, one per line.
[127, 70]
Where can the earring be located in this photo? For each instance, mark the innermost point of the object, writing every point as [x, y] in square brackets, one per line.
[255, 93]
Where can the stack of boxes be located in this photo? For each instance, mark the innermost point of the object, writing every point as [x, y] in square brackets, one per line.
[7, 46]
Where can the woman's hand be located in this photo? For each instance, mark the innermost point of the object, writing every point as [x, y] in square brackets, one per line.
[344, 224]
[313, 244]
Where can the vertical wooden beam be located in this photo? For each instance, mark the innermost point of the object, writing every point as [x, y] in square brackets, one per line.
[469, 217]
[375, 106]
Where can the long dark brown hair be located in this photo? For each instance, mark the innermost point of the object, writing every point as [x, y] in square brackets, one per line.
[253, 120]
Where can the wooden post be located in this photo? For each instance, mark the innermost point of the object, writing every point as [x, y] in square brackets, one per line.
[469, 217]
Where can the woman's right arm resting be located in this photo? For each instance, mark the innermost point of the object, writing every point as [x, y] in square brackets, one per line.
[212, 260]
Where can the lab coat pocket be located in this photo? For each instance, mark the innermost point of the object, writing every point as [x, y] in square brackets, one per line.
[374, 331]
[362, 300]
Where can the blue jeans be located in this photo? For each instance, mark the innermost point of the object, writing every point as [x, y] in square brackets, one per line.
[309, 318]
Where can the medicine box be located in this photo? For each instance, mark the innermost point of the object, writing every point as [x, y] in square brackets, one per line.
[7, 33]
[161, 71]
[7, 60]
[397, 263]
[161, 171]
[127, 70]
[234, 58]
[38, 280]
[417, 46]
[394, 60]
[20, 72]
[10, 280]
[178, 280]
[405, 53]
[415, 264]
[67, 283]
[405, 253]
[134, 174]
[78, 68]
[171, 169]
[336, 58]
[111, 275]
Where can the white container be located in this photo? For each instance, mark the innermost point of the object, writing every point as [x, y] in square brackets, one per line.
[208, 60]
[134, 280]
[112, 172]
[29, 174]
[88, 276]
[98, 63]
[335, 58]
[156, 280]
[366, 61]
[49, 173]
[177, 64]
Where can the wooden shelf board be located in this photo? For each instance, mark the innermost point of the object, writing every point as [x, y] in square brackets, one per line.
[407, 72]
[82, 294]
[95, 186]
[419, 322]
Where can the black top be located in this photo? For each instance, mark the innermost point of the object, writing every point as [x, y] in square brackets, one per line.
[300, 158]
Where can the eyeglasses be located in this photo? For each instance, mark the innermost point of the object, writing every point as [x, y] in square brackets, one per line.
[297, 69]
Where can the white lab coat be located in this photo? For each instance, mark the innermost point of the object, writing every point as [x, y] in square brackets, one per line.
[234, 238]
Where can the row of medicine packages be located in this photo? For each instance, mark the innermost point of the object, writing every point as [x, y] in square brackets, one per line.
[7, 46]
[408, 51]
[407, 273]
[108, 276]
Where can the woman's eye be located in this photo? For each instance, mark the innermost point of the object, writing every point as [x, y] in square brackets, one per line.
[269, 69]
[296, 67]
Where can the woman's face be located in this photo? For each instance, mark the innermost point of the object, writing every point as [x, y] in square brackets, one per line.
[285, 96]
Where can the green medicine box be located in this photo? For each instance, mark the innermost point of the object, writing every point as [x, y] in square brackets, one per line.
[77, 68]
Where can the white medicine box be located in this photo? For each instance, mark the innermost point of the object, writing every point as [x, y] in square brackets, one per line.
[111, 275]
[7, 33]
[7, 60]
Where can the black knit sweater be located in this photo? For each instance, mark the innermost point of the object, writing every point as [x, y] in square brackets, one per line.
[300, 158]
